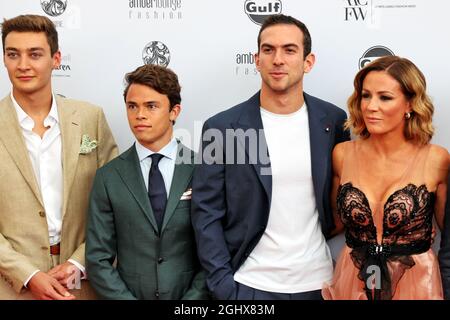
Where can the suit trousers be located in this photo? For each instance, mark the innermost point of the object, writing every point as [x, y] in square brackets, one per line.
[247, 293]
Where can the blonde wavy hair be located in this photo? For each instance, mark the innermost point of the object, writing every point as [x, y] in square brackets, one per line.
[419, 127]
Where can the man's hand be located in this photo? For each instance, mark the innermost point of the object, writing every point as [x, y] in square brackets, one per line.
[45, 287]
[65, 273]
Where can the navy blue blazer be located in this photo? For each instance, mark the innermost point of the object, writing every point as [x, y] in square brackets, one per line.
[231, 202]
[444, 252]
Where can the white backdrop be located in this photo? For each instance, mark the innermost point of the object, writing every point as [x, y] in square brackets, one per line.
[211, 42]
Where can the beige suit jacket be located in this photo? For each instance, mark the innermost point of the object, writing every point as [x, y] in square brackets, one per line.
[24, 240]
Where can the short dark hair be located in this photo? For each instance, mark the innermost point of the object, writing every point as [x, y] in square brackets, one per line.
[31, 23]
[283, 19]
[160, 79]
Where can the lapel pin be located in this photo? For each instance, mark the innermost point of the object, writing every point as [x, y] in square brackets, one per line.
[327, 129]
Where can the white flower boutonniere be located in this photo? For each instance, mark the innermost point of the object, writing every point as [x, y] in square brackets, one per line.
[87, 145]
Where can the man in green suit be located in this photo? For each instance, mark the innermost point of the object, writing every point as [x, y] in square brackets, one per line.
[140, 203]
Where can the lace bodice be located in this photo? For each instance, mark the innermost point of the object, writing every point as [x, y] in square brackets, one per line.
[407, 216]
[404, 220]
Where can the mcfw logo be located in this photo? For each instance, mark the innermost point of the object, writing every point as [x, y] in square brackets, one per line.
[374, 53]
[259, 10]
[357, 9]
[54, 8]
[156, 52]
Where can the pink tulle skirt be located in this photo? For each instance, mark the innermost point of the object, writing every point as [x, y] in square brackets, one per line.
[421, 282]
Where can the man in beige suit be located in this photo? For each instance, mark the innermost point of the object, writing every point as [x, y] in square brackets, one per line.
[50, 148]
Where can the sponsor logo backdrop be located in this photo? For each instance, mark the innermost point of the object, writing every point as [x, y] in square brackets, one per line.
[209, 43]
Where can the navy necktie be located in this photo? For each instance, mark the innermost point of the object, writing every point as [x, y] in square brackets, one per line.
[157, 190]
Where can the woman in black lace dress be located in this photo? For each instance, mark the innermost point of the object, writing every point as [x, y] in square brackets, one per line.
[388, 185]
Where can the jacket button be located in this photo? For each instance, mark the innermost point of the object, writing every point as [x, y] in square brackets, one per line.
[42, 214]
[160, 260]
[157, 294]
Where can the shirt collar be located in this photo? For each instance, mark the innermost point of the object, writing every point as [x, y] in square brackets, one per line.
[168, 151]
[303, 109]
[27, 122]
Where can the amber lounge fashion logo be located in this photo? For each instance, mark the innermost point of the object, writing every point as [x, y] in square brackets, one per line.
[156, 52]
[259, 10]
[373, 53]
[54, 8]
[153, 10]
[245, 64]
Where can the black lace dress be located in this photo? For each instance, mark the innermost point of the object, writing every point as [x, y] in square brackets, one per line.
[401, 265]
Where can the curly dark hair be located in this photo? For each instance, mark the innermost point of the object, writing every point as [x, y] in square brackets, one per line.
[161, 79]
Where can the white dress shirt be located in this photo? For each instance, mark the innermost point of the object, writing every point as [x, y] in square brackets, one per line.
[46, 158]
[166, 165]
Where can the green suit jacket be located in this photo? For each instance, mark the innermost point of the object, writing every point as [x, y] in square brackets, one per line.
[121, 225]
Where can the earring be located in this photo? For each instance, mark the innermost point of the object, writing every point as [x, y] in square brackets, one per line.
[407, 115]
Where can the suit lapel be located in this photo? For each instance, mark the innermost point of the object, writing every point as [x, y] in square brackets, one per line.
[180, 181]
[250, 119]
[130, 171]
[320, 133]
[12, 137]
[319, 136]
[70, 141]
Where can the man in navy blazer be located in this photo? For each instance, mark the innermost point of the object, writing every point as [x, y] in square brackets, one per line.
[260, 201]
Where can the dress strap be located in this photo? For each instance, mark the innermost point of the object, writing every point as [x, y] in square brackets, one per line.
[415, 170]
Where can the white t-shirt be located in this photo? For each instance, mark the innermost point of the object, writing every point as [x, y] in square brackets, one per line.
[292, 255]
